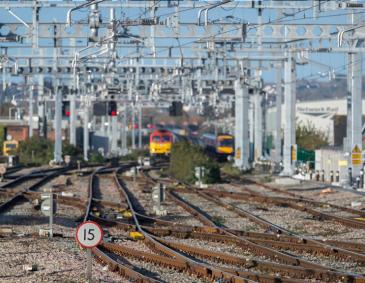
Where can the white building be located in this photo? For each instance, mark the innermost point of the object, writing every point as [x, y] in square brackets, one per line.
[319, 113]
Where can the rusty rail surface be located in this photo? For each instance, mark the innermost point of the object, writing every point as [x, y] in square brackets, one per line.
[290, 203]
[22, 195]
[326, 248]
[102, 256]
[196, 267]
[257, 248]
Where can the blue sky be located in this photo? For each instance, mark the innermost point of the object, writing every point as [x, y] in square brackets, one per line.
[310, 71]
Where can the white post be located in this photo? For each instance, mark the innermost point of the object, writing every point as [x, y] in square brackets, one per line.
[290, 99]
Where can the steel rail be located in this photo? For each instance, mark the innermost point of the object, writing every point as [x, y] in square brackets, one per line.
[286, 201]
[200, 269]
[334, 251]
[122, 269]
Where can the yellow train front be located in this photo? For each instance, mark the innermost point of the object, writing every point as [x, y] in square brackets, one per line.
[220, 146]
[10, 147]
[160, 143]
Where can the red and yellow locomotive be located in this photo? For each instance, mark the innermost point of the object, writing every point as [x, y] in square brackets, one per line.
[160, 143]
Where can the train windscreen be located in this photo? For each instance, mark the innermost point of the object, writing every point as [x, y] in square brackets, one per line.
[226, 142]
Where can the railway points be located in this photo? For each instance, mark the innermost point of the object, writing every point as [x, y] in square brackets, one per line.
[182, 141]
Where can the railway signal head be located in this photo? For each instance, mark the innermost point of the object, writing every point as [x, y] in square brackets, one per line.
[66, 109]
[112, 108]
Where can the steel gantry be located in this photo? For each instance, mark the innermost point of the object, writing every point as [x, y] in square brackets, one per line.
[198, 44]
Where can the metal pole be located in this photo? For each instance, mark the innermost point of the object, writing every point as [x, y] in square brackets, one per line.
[103, 125]
[290, 98]
[89, 266]
[356, 107]
[51, 214]
[41, 107]
[279, 94]
[86, 131]
[31, 111]
[241, 126]
[114, 121]
[140, 126]
[124, 133]
[73, 115]
[58, 125]
[258, 124]
[133, 127]
[109, 133]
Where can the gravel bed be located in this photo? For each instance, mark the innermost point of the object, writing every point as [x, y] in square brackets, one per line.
[174, 212]
[77, 185]
[161, 273]
[22, 186]
[301, 222]
[221, 215]
[106, 189]
[57, 260]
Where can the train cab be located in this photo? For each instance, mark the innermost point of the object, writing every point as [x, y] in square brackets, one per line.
[160, 143]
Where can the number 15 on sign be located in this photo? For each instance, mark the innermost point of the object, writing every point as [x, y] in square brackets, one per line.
[89, 234]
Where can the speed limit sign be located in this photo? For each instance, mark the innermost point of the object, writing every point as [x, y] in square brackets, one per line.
[89, 234]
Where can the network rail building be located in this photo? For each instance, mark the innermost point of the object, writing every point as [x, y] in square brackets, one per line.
[328, 116]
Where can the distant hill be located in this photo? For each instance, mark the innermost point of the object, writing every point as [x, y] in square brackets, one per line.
[315, 90]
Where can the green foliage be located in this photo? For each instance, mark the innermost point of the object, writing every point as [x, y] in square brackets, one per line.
[133, 156]
[35, 150]
[69, 149]
[310, 138]
[230, 170]
[96, 157]
[185, 157]
[2, 138]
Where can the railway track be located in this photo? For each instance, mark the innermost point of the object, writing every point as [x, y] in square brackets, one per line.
[304, 243]
[201, 262]
[21, 194]
[169, 257]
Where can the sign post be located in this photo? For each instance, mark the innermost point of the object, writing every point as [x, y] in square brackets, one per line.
[49, 208]
[89, 234]
[356, 156]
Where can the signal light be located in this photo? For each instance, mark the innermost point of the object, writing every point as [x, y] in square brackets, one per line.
[112, 108]
[66, 109]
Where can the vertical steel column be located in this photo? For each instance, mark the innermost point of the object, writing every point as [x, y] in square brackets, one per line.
[73, 115]
[109, 133]
[241, 126]
[103, 125]
[30, 122]
[114, 135]
[356, 108]
[279, 94]
[356, 98]
[290, 99]
[257, 98]
[133, 127]
[42, 124]
[124, 132]
[86, 129]
[58, 124]
[348, 145]
[140, 126]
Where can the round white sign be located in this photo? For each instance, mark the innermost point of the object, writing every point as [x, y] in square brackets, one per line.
[89, 234]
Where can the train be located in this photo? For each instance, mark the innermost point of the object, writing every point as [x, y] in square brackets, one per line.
[160, 143]
[9, 147]
[220, 146]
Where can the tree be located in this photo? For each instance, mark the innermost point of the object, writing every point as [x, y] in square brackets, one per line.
[185, 157]
[35, 151]
[310, 138]
[69, 149]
